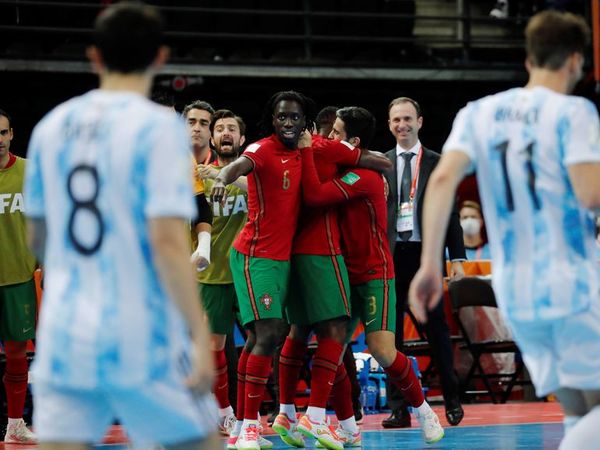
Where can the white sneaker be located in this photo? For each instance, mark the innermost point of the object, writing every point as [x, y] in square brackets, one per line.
[227, 423]
[321, 431]
[349, 439]
[248, 438]
[430, 426]
[18, 433]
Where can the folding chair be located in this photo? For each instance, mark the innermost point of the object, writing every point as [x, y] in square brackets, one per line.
[421, 347]
[475, 292]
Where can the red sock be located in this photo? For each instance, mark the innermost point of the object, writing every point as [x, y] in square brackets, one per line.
[341, 394]
[291, 360]
[241, 384]
[221, 386]
[402, 375]
[15, 378]
[324, 366]
[258, 369]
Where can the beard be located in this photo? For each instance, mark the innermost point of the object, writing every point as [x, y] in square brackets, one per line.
[228, 152]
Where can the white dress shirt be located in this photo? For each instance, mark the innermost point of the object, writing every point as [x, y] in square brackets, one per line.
[416, 236]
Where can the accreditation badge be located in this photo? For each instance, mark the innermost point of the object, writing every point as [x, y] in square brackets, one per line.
[404, 219]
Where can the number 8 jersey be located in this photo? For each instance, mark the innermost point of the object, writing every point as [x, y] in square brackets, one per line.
[520, 143]
[102, 165]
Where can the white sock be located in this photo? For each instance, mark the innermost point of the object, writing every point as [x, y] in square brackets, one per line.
[288, 410]
[224, 412]
[569, 422]
[14, 421]
[316, 414]
[584, 434]
[349, 425]
[237, 428]
[248, 422]
[422, 409]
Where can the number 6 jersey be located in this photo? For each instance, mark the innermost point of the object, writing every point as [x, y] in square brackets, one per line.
[520, 143]
[101, 166]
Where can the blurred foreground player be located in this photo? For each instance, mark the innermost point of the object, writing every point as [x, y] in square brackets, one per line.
[536, 152]
[121, 334]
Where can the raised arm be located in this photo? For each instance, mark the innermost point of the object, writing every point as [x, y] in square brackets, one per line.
[374, 160]
[315, 193]
[230, 173]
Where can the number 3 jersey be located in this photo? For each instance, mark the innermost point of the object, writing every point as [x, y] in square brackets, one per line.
[100, 167]
[521, 143]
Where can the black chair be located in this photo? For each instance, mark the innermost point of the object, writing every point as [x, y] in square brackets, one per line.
[421, 347]
[472, 292]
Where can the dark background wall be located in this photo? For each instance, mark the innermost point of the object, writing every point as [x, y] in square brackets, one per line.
[27, 96]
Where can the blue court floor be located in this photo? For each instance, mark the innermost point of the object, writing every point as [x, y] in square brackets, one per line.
[485, 437]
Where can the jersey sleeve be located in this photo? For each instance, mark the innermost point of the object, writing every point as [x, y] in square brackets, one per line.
[34, 181]
[340, 153]
[579, 133]
[338, 190]
[169, 186]
[462, 136]
[257, 153]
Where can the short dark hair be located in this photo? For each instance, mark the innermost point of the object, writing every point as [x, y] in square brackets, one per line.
[5, 114]
[399, 100]
[163, 97]
[325, 119]
[227, 114]
[128, 36]
[358, 122]
[198, 104]
[552, 36]
[307, 104]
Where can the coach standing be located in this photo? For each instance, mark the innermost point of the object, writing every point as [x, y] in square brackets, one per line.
[412, 165]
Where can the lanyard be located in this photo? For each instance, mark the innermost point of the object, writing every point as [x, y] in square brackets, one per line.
[415, 179]
[478, 253]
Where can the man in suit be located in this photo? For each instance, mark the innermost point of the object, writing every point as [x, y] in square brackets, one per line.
[412, 165]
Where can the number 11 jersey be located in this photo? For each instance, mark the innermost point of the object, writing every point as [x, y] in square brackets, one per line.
[521, 143]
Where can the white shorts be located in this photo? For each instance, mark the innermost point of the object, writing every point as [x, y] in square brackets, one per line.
[157, 413]
[562, 353]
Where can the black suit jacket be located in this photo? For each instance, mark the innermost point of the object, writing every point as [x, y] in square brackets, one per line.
[454, 234]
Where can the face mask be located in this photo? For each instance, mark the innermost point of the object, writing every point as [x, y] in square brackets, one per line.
[471, 226]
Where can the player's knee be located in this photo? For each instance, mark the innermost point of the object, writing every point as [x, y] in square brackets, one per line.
[383, 355]
[333, 329]
[299, 333]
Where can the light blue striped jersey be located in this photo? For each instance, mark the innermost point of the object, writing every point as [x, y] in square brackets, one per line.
[101, 165]
[520, 143]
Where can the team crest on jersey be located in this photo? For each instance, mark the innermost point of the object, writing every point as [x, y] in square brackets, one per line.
[350, 178]
[267, 301]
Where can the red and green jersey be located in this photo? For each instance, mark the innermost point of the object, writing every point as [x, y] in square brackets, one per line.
[318, 228]
[273, 200]
[363, 220]
[17, 263]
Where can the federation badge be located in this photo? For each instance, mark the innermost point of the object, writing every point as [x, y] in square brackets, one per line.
[267, 301]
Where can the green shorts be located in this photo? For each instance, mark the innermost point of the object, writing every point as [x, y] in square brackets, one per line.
[220, 304]
[374, 303]
[261, 286]
[319, 289]
[18, 308]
